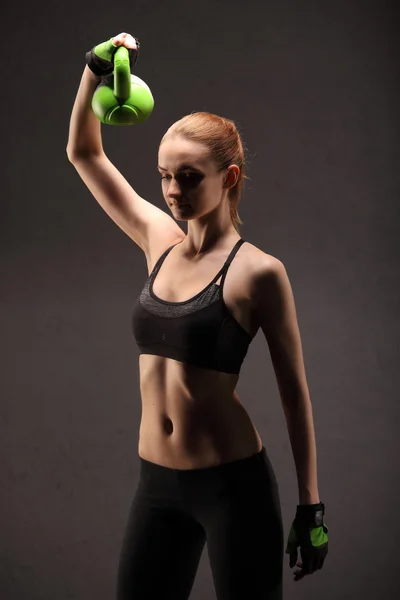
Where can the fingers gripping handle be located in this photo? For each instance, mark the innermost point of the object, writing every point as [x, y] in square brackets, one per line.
[100, 58]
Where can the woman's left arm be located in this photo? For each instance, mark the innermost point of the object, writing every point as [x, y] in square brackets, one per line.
[276, 313]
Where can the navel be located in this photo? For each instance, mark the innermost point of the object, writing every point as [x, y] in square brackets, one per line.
[167, 425]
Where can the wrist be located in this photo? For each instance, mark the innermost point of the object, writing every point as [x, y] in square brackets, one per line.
[92, 76]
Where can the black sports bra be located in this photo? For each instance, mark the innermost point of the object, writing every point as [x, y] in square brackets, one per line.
[199, 331]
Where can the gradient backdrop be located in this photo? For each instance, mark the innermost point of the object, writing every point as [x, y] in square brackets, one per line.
[314, 89]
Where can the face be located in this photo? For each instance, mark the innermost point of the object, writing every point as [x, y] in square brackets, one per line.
[190, 182]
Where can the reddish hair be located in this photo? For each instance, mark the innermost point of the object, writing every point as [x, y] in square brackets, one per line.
[225, 146]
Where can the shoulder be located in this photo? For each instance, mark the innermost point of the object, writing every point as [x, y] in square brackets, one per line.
[265, 272]
[259, 262]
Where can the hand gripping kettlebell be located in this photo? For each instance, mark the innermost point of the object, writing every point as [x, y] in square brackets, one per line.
[122, 98]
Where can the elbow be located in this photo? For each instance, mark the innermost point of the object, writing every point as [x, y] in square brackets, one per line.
[70, 154]
[74, 156]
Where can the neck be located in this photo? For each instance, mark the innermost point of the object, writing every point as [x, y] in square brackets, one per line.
[201, 246]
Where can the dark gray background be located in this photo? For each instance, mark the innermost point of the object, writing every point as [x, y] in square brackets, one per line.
[314, 90]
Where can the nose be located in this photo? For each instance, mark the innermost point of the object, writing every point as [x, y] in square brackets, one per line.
[174, 189]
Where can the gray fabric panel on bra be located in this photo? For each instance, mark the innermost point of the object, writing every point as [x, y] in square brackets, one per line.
[170, 310]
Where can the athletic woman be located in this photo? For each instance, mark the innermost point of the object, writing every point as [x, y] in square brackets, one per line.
[205, 475]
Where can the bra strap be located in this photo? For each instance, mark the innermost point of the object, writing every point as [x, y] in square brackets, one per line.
[161, 259]
[230, 259]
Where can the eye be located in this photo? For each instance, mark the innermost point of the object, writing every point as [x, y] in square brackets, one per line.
[184, 176]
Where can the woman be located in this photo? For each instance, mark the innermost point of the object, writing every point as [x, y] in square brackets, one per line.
[204, 473]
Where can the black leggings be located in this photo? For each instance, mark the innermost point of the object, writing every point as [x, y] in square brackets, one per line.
[234, 507]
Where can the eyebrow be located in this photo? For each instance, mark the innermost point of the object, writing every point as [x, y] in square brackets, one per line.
[181, 168]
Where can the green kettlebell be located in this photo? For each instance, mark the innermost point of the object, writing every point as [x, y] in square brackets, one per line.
[122, 98]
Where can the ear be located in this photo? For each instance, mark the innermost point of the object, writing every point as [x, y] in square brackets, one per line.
[232, 176]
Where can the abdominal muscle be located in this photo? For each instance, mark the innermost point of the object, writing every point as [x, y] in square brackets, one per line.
[191, 417]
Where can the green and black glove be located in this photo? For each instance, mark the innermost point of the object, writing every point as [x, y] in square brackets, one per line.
[308, 531]
[100, 58]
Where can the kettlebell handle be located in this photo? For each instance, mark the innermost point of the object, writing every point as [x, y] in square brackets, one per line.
[122, 74]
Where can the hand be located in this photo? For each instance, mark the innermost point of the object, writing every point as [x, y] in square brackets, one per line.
[303, 570]
[100, 58]
[308, 531]
[124, 39]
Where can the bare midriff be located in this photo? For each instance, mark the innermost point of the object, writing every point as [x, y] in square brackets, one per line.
[191, 416]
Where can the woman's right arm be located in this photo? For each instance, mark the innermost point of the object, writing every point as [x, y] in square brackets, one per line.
[85, 128]
[148, 226]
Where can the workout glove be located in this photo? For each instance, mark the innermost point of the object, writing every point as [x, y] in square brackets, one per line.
[100, 58]
[308, 531]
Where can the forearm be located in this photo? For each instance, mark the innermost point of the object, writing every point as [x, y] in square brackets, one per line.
[85, 128]
[300, 423]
